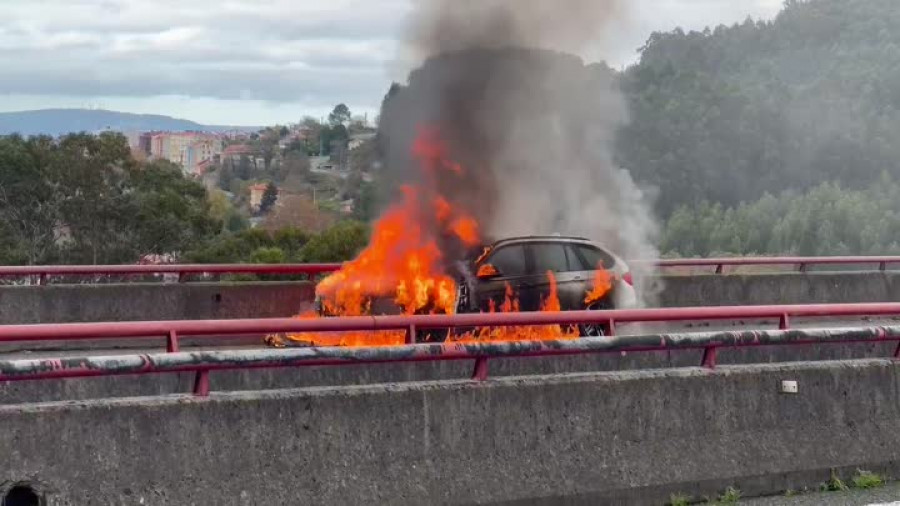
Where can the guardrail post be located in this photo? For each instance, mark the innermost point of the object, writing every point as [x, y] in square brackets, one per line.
[784, 322]
[611, 328]
[720, 268]
[172, 342]
[201, 383]
[709, 357]
[411, 334]
[882, 266]
[802, 267]
[182, 277]
[42, 279]
[481, 369]
[897, 351]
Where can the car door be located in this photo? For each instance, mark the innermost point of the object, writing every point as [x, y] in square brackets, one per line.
[553, 257]
[589, 258]
[511, 264]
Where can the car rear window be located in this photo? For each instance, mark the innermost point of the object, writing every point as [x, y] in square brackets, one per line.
[550, 257]
[509, 260]
[592, 257]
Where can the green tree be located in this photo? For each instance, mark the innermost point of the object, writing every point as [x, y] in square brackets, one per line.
[29, 200]
[170, 213]
[269, 197]
[94, 203]
[364, 210]
[730, 113]
[337, 244]
[270, 255]
[340, 116]
[826, 220]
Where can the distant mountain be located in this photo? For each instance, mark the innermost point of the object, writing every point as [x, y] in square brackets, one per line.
[62, 121]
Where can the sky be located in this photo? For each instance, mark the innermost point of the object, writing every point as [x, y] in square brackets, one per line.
[254, 62]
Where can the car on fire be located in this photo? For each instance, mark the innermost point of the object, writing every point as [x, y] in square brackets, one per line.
[522, 264]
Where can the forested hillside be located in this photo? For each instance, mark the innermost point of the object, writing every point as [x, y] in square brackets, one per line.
[729, 113]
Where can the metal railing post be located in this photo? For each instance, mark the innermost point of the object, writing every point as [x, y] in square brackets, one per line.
[709, 357]
[481, 369]
[172, 342]
[201, 383]
[784, 322]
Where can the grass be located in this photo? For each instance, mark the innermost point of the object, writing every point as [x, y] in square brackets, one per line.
[835, 484]
[790, 492]
[866, 479]
[730, 496]
[679, 500]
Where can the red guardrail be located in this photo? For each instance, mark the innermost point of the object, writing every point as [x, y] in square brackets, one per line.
[183, 271]
[186, 270]
[202, 362]
[801, 262]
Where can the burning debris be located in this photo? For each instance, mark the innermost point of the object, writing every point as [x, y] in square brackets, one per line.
[492, 136]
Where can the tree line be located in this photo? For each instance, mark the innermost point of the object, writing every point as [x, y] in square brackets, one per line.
[83, 199]
[825, 220]
[730, 113]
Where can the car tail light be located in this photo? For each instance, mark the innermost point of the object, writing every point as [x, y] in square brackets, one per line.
[627, 278]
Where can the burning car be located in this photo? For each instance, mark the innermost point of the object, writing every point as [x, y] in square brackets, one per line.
[583, 275]
[426, 256]
[524, 273]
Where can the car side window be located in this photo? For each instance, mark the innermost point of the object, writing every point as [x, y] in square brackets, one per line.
[592, 257]
[509, 260]
[550, 257]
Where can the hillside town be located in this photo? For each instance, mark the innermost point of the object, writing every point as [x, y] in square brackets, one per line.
[311, 172]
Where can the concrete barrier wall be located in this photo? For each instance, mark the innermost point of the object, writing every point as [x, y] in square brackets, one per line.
[152, 301]
[790, 288]
[602, 438]
[127, 302]
[179, 301]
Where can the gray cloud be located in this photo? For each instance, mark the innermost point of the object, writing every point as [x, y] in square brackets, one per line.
[277, 51]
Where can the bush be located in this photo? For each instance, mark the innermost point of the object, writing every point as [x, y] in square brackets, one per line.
[337, 244]
[867, 479]
[268, 256]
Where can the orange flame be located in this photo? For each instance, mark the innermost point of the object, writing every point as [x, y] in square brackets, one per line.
[524, 332]
[601, 286]
[403, 263]
[487, 270]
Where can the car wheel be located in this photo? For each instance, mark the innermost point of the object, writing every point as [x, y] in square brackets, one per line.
[432, 336]
[594, 329]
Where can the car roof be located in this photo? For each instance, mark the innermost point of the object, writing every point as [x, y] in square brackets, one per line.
[533, 238]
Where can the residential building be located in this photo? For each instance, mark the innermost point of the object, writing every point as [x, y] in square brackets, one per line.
[199, 152]
[185, 148]
[234, 153]
[256, 195]
[358, 139]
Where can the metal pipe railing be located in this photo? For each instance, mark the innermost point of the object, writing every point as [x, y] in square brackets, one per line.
[202, 362]
[221, 328]
[802, 263]
[186, 270]
[43, 272]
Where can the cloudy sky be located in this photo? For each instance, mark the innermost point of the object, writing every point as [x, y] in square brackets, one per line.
[251, 62]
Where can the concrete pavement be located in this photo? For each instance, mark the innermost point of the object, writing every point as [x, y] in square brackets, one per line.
[888, 495]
